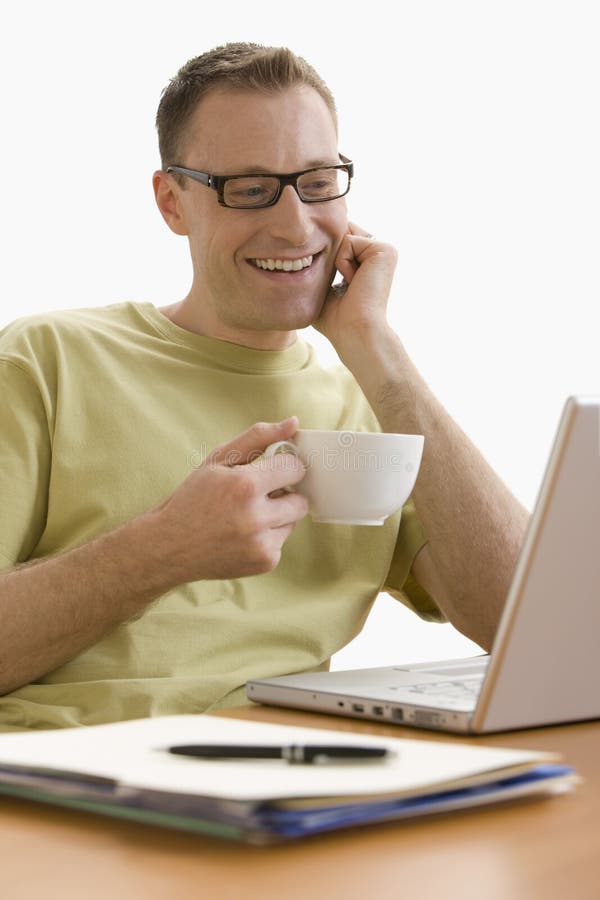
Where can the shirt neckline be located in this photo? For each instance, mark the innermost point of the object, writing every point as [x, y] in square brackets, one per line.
[226, 354]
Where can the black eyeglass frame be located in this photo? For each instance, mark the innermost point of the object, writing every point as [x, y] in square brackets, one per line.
[218, 182]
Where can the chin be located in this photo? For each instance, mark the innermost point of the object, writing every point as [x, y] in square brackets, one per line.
[312, 309]
[302, 319]
[299, 314]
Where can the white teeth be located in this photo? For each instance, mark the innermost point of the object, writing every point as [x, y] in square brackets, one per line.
[285, 265]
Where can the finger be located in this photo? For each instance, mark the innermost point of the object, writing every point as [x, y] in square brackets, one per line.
[345, 261]
[360, 249]
[349, 254]
[356, 229]
[248, 445]
[358, 243]
[283, 532]
[287, 510]
[280, 471]
[279, 535]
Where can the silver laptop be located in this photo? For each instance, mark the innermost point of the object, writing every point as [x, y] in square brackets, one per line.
[544, 667]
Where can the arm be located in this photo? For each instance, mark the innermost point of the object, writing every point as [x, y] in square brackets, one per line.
[220, 523]
[474, 525]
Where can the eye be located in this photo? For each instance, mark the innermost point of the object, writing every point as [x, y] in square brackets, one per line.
[322, 183]
[251, 191]
[255, 190]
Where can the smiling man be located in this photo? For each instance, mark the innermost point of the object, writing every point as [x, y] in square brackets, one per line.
[260, 272]
[150, 564]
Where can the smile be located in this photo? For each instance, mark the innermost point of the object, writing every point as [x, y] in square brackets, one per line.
[284, 265]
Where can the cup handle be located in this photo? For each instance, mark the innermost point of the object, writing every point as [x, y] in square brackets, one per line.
[283, 447]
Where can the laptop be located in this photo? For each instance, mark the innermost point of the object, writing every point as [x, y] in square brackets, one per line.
[544, 666]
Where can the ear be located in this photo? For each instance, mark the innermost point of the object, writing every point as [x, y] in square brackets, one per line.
[167, 195]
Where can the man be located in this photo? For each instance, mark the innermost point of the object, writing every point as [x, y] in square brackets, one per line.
[152, 564]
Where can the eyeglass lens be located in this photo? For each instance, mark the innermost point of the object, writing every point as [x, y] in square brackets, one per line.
[259, 190]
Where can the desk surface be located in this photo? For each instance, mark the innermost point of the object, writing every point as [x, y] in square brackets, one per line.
[546, 848]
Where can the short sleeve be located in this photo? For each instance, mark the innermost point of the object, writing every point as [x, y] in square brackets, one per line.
[400, 581]
[24, 463]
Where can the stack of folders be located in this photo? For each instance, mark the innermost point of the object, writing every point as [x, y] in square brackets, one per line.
[129, 770]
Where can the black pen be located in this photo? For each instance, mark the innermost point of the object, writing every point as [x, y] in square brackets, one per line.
[291, 753]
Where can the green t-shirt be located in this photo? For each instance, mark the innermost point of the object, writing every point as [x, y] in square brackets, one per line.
[104, 413]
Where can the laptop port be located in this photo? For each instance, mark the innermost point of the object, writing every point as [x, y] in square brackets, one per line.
[398, 715]
[358, 707]
[377, 710]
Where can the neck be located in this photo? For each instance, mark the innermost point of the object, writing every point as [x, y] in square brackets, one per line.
[187, 315]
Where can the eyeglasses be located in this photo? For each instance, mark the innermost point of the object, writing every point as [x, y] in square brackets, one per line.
[260, 190]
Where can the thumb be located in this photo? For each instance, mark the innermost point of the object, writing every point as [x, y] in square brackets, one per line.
[251, 443]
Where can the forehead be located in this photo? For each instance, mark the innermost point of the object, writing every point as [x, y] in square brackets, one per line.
[279, 131]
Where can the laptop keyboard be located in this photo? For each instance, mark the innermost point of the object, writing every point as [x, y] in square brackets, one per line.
[463, 689]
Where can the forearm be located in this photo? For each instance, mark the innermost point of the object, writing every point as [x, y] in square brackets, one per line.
[474, 525]
[224, 521]
[51, 609]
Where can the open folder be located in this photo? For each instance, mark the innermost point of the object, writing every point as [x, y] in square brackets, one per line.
[125, 770]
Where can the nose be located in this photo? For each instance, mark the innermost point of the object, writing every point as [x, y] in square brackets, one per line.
[291, 219]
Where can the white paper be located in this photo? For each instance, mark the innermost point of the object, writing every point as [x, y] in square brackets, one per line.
[133, 753]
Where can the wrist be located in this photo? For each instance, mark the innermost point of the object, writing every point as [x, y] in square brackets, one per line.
[160, 547]
[387, 377]
[370, 349]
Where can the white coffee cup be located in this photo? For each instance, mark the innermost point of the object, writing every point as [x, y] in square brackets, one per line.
[354, 477]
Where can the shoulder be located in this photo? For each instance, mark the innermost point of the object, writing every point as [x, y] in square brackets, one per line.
[36, 336]
[65, 321]
[42, 346]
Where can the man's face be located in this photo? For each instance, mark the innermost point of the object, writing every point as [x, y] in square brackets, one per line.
[233, 132]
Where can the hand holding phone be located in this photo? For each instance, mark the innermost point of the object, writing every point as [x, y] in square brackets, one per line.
[360, 301]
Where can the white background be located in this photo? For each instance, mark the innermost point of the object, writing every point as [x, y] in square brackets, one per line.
[475, 131]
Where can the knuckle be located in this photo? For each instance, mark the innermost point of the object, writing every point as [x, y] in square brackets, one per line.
[214, 453]
[231, 456]
[250, 518]
[245, 486]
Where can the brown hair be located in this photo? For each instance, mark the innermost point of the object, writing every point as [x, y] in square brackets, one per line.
[239, 66]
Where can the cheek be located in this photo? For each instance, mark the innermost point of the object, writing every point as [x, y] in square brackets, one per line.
[215, 244]
[338, 224]
[226, 234]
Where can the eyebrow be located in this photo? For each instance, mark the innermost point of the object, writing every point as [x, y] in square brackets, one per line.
[260, 170]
